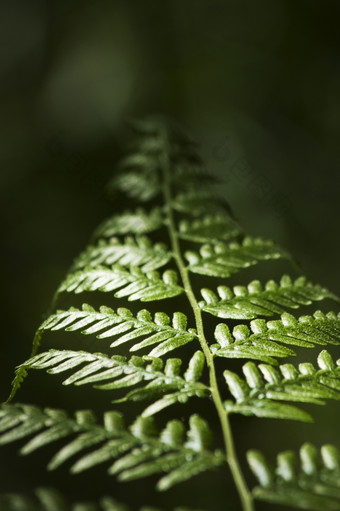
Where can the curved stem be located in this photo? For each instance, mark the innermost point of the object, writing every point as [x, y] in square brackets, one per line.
[231, 457]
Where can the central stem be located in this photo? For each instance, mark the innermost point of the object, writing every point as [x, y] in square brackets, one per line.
[231, 457]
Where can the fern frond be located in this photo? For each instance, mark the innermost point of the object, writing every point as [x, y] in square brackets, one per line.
[106, 323]
[242, 344]
[140, 185]
[221, 260]
[306, 331]
[48, 499]
[139, 251]
[314, 485]
[132, 283]
[260, 342]
[209, 229]
[197, 202]
[163, 168]
[139, 177]
[138, 222]
[163, 386]
[252, 301]
[264, 388]
[139, 450]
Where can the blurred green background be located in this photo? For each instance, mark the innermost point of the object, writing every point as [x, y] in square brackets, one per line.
[257, 83]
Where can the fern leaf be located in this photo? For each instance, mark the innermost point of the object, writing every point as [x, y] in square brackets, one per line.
[118, 372]
[314, 485]
[106, 323]
[139, 177]
[197, 202]
[306, 331]
[137, 251]
[221, 260]
[138, 222]
[48, 499]
[132, 283]
[209, 229]
[142, 186]
[168, 450]
[252, 301]
[264, 388]
[260, 342]
[240, 344]
[187, 178]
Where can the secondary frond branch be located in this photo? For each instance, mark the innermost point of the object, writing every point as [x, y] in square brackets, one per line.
[314, 485]
[164, 386]
[48, 499]
[261, 340]
[160, 332]
[137, 251]
[222, 260]
[139, 450]
[131, 283]
[265, 390]
[252, 301]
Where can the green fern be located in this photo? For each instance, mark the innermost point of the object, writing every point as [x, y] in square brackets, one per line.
[139, 451]
[131, 282]
[139, 222]
[253, 301]
[264, 387]
[167, 252]
[313, 486]
[47, 499]
[138, 251]
[166, 334]
[221, 260]
[165, 384]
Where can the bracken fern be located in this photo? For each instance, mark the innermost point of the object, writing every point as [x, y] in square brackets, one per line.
[164, 357]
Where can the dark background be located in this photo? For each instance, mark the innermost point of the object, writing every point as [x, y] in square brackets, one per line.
[257, 83]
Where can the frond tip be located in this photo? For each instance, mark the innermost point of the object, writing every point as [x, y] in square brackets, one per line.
[313, 485]
[139, 450]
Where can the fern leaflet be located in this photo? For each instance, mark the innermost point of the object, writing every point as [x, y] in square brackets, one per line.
[138, 251]
[260, 342]
[313, 486]
[165, 386]
[166, 334]
[138, 222]
[252, 301]
[211, 228]
[197, 202]
[132, 283]
[264, 388]
[221, 260]
[48, 499]
[139, 451]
